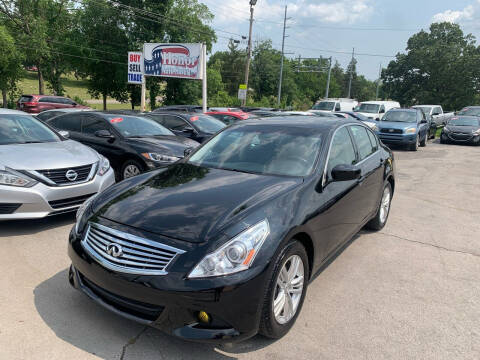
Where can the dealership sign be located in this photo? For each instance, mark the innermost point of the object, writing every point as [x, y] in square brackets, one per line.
[135, 60]
[173, 60]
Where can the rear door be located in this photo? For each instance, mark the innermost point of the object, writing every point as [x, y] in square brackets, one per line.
[179, 126]
[67, 122]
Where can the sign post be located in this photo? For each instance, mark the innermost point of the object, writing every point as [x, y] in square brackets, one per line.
[204, 78]
[242, 92]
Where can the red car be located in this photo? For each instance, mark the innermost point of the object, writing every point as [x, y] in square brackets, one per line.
[35, 104]
[229, 117]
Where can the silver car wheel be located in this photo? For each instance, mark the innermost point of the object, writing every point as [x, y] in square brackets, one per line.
[288, 290]
[130, 171]
[385, 205]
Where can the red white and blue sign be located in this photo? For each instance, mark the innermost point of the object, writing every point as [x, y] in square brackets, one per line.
[173, 60]
[135, 62]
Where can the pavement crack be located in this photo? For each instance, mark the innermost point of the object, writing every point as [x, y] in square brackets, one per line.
[431, 245]
[131, 342]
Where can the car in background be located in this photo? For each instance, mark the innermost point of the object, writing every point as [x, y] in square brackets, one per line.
[133, 144]
[461, 129]
[229, 117]
[223, 244]
[178, 108]
[405, 127]
[43, 173]
[350, 114]
[469, 111]
[49, 114]
[196, 126]
[435, 112]
[34, 104]
[374, 110]
[334, 105]
[264, 113]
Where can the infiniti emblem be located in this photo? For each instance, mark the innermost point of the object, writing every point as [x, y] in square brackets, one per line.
[71, 175]
[114, 250]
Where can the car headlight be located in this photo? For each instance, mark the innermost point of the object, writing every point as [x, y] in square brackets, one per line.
[81, 211]
[11, 177]
[476, 132]
[160, 157]
[411, 131]
[446, 129]
[236, 255]
[103, 165]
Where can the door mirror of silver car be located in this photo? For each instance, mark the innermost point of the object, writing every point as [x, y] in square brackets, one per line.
[187, 151]
[64, 134]
[104, 134]
[345, 173]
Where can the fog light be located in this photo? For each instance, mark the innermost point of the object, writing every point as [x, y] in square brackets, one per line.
[203, 317]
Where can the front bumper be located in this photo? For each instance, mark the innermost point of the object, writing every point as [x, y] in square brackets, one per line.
[172, 302]
[399, 139]
[41, 200]
[460, 138]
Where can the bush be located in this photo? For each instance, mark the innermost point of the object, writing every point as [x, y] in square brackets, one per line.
[79, 100]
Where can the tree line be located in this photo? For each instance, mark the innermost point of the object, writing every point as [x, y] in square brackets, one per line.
[90, 39]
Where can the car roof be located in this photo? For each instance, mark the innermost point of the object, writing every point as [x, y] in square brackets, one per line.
[37, 95]
[471, 107]
[9, 111]
[65, 110]
[301, 121]
[404, 110]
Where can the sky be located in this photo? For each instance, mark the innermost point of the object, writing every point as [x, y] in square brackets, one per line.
[377, 29]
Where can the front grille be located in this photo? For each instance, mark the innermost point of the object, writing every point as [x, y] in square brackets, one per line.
[460, 136]
[136, 308]
[391, 131]
[59, 176]
[127, 253]
[8, 208]
[74, 201]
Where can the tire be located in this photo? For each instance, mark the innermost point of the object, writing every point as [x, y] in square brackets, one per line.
[442, 140]
[275, 326]
[414, 147]
[130, 168]
[423, 143]
[380, 219]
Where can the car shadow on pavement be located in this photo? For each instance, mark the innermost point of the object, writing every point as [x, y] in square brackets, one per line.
[74, 318]
[34, 226]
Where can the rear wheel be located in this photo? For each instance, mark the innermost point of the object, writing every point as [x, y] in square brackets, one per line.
[423, 143]
[380, 219]
[130, 168]
[285, 291]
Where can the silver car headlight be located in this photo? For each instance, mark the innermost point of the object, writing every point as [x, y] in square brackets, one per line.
[103, 165]
[81, 212]
[160, 157]
[11, 177]
[236, 255]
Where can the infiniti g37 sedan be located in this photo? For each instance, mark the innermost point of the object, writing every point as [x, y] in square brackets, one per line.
[221, 245]
[43, 173]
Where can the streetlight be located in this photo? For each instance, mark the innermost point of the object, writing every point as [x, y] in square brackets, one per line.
[249, 54]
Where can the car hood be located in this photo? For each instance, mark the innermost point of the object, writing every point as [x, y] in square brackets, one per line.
[462, 129]
[369, 115]
[170, 144]
[51, 155]
[395, 125]
[192, 203]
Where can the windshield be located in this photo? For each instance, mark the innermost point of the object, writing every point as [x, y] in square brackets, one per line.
[261, 149]
[24, 129]
[207, 124]
[324, 105]
[368, 108]
[425, 109]
[400, 116]
[464, 121]
[470, 111]
[130, 126]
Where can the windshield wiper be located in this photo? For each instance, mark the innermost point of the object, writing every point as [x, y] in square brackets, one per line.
[244, 171]
[32, 142]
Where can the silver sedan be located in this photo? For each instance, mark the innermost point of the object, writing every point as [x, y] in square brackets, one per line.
[42, 172]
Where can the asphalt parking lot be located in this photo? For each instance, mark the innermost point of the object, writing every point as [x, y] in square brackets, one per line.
[411, 291]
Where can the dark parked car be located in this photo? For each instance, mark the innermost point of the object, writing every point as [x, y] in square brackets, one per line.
[462, 129]
[470, 111]
[49, 114]
[198, 127]
[177, 108]
[133, 144]
[229, 117]
[407, 127]
[35, 104]
[222, 244]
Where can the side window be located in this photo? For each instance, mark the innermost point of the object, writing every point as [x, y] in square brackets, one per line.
[175, 123]
[382, 109]
[361, 138]
[45, 100]
[227, 119]
[91, 124]
[341, 150]
[337, 106]
[437, 111]
[67, 122]
[373, 140]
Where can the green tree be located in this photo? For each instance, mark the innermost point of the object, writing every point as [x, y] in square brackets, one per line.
[440, 67]
[10, 64]
[232, 67]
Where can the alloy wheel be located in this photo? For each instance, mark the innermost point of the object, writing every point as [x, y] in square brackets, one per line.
[289, 289]
[130, 171]
[385, 205]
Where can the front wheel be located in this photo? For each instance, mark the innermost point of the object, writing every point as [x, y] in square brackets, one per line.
[380, 219]
[130, 168]
[285, 291]
[423, 143]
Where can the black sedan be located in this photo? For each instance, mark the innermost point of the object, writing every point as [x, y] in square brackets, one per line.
[221, 245]
[133, 144]
[461, 129]
[196, 126]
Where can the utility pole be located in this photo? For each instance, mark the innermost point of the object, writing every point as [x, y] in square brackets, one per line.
[281, 61]
[378, 81]
[351, 74]
[328, 79]
[249, 53]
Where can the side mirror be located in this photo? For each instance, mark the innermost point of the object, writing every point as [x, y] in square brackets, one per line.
[423, 121]
[187, 151]
[64, 134]
[188, 130]
[382, 111]
[74, 104]
[104, 134]
[345, 173]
